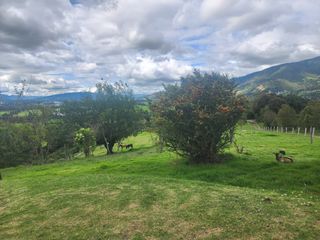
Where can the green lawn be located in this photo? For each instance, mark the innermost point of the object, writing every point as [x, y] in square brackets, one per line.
[144, 194]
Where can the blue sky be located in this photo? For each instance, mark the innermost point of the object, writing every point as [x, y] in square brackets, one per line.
[64, 46]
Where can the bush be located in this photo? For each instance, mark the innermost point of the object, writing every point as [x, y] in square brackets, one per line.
[86, 140]
[197, 118]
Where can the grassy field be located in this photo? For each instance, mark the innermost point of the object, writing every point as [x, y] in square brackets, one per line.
[3, 113]
[144, 194]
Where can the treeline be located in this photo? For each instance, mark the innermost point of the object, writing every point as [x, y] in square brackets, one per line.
[47, 133]
[196, 119]
[284, 111]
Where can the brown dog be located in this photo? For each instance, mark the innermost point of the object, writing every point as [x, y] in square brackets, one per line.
[283, 159]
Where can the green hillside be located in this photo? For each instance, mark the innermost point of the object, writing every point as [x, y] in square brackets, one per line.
[144, 194]
[302, 78]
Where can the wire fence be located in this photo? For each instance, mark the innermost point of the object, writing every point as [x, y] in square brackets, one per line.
[310, 132]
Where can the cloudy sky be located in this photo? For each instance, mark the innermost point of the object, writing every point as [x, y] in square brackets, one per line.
[62, 46]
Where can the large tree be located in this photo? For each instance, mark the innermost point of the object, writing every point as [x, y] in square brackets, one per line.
[112, 113]
[197, 118]
[310, 115]
[287, 116]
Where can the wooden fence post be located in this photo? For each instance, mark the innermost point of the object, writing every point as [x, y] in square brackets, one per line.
[313, 132]
[311, 135]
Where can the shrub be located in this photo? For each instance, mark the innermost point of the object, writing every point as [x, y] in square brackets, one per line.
[86, 140]
[197, 118]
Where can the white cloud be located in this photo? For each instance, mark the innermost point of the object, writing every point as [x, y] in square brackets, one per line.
[58, 46]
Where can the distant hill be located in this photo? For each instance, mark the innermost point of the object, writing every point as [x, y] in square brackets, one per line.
[301, 78]
[73, 96]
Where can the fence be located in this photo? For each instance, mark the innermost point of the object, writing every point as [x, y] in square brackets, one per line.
[307, 132]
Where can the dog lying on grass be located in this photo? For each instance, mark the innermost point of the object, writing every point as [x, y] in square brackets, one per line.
[281, 158]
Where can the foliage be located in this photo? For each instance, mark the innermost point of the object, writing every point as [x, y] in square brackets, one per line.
[18, 144]
[298, 103]
[86, 140]
[197, 118]
[117, 114]
[268, 117]
[287, 116]
[272, 101]
[310, 116]
[113, 114]
[266, 109]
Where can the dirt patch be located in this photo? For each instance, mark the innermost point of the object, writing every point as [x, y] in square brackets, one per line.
[209, 232]
[317, 225]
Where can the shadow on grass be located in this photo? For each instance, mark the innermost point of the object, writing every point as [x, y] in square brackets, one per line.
[235, 170]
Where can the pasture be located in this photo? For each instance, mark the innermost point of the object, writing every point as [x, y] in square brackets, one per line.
[145, 194]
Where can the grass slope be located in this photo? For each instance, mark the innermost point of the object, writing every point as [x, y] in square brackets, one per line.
[144, 194]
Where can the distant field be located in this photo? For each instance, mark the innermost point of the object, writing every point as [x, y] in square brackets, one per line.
[144, 194]
[3, 113]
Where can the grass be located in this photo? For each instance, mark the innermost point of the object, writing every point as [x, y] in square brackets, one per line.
[3, 113]
[144, 194]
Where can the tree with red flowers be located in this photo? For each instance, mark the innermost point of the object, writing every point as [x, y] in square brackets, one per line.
[197, 118]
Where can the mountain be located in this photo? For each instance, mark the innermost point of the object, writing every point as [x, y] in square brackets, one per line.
[73, 96]
[301, 78]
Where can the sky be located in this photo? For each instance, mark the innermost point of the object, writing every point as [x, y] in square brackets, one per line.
[59, 46]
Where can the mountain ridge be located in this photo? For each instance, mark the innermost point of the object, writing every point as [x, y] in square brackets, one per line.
[301, 77]
[70, 96]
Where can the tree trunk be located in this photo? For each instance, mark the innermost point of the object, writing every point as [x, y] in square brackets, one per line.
[109, 146]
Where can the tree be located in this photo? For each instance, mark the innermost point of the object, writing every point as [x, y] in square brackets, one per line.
[86, 140]
[298, 103]
[117, 114]
[287, 116]
[268, 117]
[197, 118]
[310, 115]
[18, 144]
[274, 102]
[112, 114]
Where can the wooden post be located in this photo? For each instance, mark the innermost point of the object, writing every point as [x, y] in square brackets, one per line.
[313, 132]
